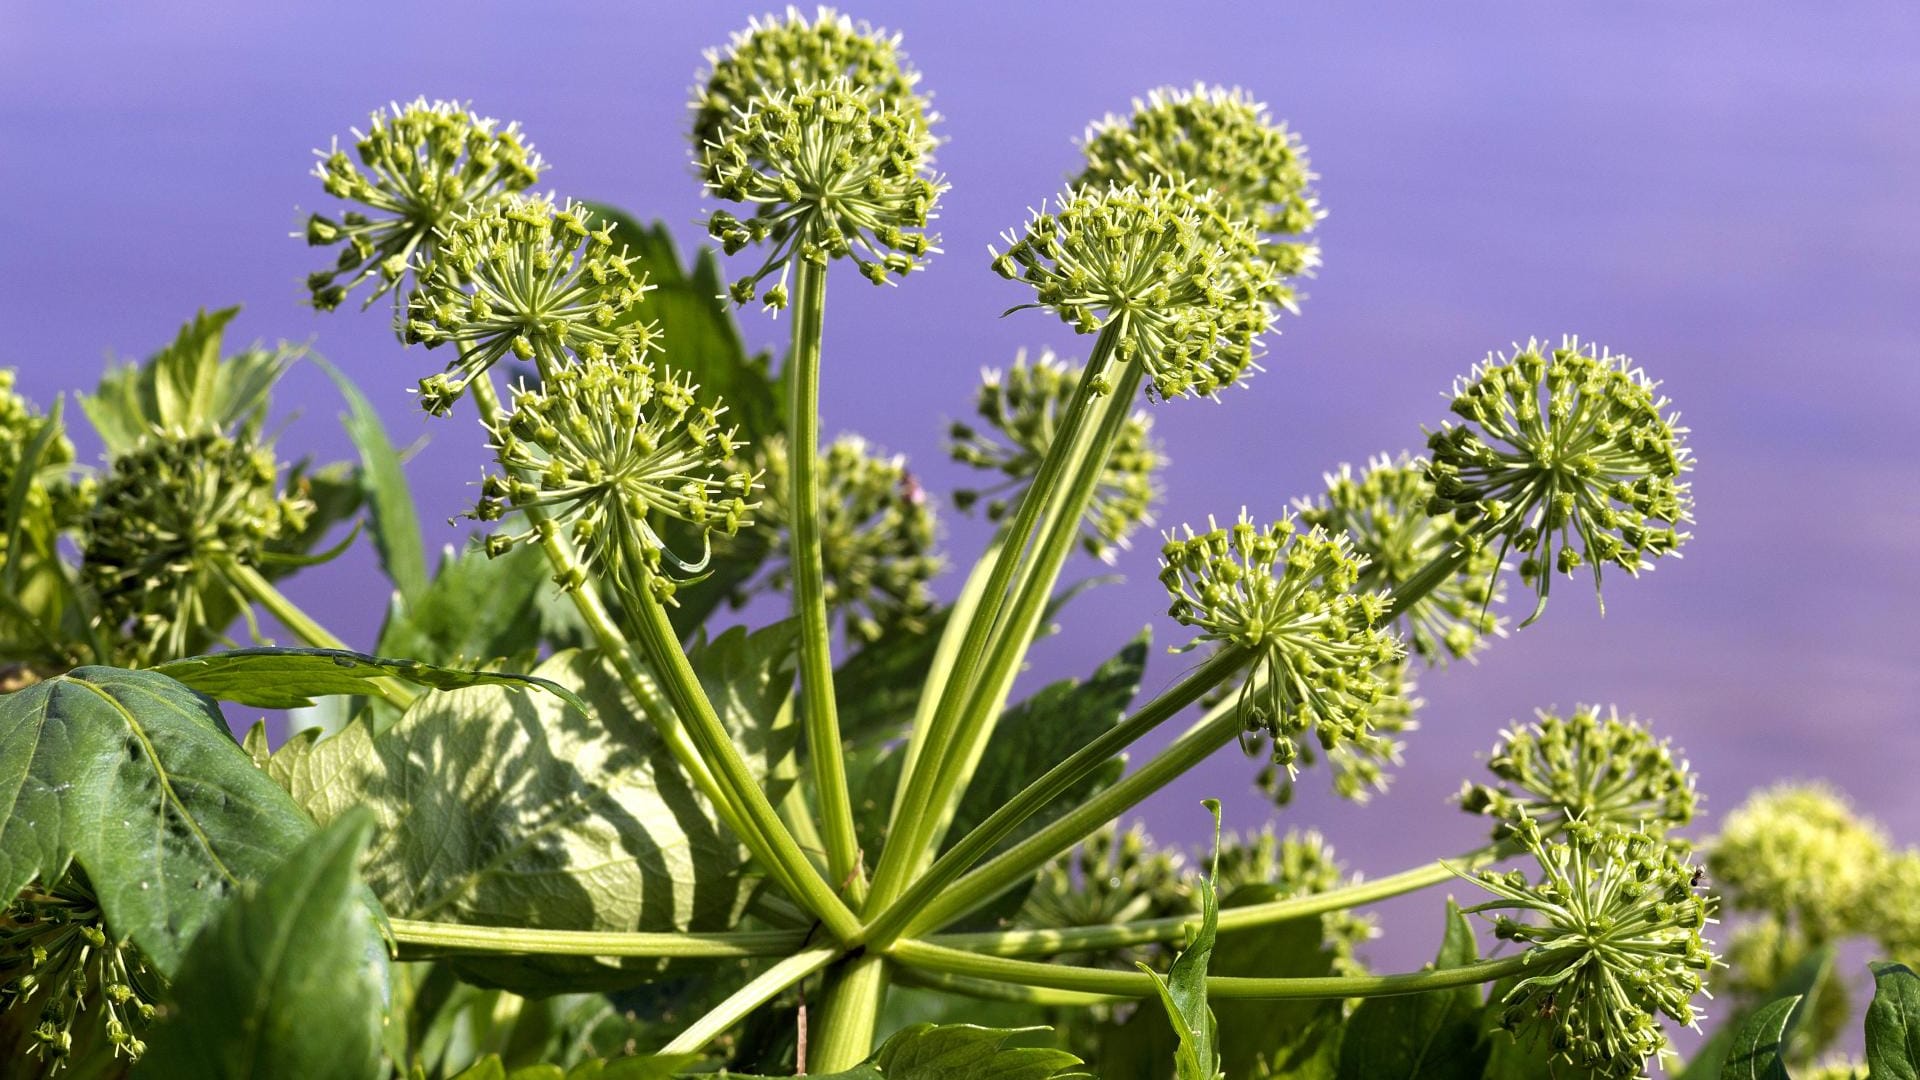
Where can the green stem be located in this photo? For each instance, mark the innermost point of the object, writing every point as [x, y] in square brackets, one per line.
[820, 711]
[750, 997]
[1247, 917]
[849, 1011]
[990, 990]
[453, 937]
[1050, 786]
[1411, 591]
[255, 587]
[1139, 984]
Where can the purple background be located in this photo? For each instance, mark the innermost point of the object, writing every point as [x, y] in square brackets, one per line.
[1726, 192]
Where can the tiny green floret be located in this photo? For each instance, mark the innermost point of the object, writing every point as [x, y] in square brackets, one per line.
[832, 170]
[416, 168]
[1384, 509]
[1582, 766]
[526, 277]
[1800, 853]
[59, 958]
[1115, 875]
[1614, 944]
[1359, 767]
[1188, 294]
[608, 448]
[1024, 404]
[1320, 651]
[1568, 456]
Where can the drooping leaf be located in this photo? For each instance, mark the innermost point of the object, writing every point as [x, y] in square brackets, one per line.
[1893, 1024]
[136, 778]
[289, 979]
[1758, 1044]
[291, 678]
[383, 484]
[1430, 1036]
[958, 1052]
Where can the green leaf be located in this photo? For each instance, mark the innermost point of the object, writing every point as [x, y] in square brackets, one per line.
[1755, 1053]
[26, 478]
[1433, 1035]
[289, 979]
[187, 386]
[477, 609]
[291, 678]
[1183, 993]
[1893, 1024]
[1801, 982]
[136, 778]
[958, 1052]
[383, 483]
[1295, 1039]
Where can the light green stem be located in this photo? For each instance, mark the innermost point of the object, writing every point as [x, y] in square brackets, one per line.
[750, 997]
[990, 990]
[502, 940]
[255, 587]
[820, 711]
[848, 1013]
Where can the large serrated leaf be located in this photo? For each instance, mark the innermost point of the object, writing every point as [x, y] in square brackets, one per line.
[1435, 1035]
[268, 678]
[136, 778]
[1893, 1024]
[289, 979]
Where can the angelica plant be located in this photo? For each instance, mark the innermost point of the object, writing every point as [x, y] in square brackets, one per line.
[562, 819]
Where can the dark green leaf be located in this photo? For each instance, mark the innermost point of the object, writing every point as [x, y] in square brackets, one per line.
[1433, 1035]
[879, 686]
[1183, 993]
[958, 1052]
[292, 678]
[289, 979]
[1295, 1039]
[477, 609]
[1801, 982]
[136, 778]
[1755, 1053]
[1893, 1024]
[383, 482]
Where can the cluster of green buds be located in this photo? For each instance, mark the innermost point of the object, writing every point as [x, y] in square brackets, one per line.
[1897, 922]
[1584, 767]
[611, 449]
[1266, 865]
[57, 954]
[172, 518]
[1613, 937]
[1358, 767]
[1114, 875]
[1384, 509]
[1799, 854]
[20, 426]
[1187, 293]
[1226, 142]
[1024, 405]
[1322, 658]
[524, 277]
[1568, 456]
[877, 532]
[414, 170]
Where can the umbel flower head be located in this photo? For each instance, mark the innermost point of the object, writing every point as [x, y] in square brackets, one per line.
[58, 957]
[1359, 766]
[1225, 142]
[1114, 875]
[608, 448]
[1799, 853]
[1582, 766]
[413, 170]
[1320, 653]
[1187, 293]
[523, 276]
[1613, 941]
[781, 56]
[832, 170]
[1024, 405]
[173, 518]
[1384, 509]
[1265, 865]
[877, 532]
[1568, 456]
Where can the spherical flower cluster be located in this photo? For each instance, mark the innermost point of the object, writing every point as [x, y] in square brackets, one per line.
[1187, 294]
[58, 957]
[1569, 457]
[1358, 767]
[773, 56]
[877, 531]
[1269, 866]
[1613, 944]
[1320, 652]
[832, 170]
[50, 494]
[415, 169]
[1798, 853]
[1384, 509]
[1225, 142]
[1113, 876]
[1897, 917]
[522, 276]
[609, 449]
[174, 516]
[1561, 768]
[1024, 405]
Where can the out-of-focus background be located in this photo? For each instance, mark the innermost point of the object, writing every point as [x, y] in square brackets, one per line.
[1730, 193]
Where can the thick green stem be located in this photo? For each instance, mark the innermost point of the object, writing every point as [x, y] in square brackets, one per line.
[849, 1010]
[820, 711]
[750, 997]
[990, 990]
[1138, 984]
[434, 937]
[255, 587]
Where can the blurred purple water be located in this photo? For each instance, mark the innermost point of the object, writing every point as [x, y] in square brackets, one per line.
[1729, 193]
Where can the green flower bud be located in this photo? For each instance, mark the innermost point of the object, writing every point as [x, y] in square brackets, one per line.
[522, 276]
[1799, 853]
[1561, 768]
[1225, 142]
[58, 959]
[1897, 912]
[1614, 944]
[1114, 875]
[1569, 457]
[1384, 509]
[1320, 653]
[877, 532]
[610, 449]
[1358, 766]
[1188, 292]
[1023, 405]
[832, 170]
[414, 170]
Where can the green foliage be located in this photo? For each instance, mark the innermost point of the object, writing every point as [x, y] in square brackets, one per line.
[292, 678]
[1758, 1049]
[1893, 1023]
[1430, 1036]
[958, 1052]
[393, 524]
[1183, 992]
